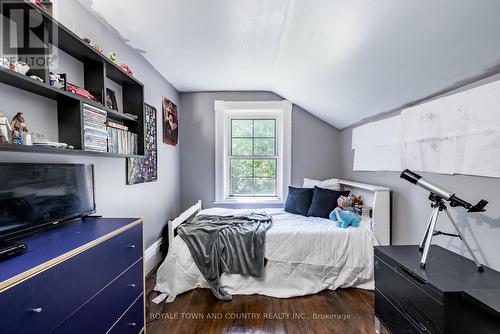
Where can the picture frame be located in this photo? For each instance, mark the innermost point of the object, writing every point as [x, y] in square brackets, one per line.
[170, 122]
[110, 99]
[142, 170]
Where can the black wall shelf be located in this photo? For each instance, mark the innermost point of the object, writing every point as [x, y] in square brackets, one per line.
[54, 150]
[97, 68]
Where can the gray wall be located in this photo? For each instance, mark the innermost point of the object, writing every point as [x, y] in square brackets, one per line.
[314, 144]
[411, 208]
[156, 202]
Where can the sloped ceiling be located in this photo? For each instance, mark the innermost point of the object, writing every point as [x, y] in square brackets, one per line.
[342, 60]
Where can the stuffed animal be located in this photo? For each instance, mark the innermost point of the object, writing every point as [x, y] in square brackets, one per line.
[357, 200]
[344, 214]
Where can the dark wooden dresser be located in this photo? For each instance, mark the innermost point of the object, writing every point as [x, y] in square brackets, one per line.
[82, 277]
[448, 296]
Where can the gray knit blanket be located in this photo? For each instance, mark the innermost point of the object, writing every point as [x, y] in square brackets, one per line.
[226, 244]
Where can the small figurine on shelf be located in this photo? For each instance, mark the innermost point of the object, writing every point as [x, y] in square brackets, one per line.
[19, 128]
[87, 40]
[112, 57]
[97, 47]
[4, 62]
[4, 129]
[53, 78]
[45, 5]
[34, 77]
[126, 68]
[21, 67]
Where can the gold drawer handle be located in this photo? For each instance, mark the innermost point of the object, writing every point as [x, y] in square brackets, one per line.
[37, 310]
[132, 324]
[132, 285]
[131, 246]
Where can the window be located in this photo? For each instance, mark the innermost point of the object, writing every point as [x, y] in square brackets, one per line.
[253, 158]
[252, 151]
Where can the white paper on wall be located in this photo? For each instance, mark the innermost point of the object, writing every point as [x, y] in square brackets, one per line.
[459, 133]
[385, 132]
[435, 155]
[378, 158]
[479, 153]
[474, 109]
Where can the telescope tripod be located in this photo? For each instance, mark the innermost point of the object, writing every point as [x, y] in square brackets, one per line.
[439, 206]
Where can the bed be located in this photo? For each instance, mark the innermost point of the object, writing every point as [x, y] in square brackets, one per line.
[305, 255]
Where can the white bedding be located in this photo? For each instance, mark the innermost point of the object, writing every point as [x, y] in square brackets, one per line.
[305, 256]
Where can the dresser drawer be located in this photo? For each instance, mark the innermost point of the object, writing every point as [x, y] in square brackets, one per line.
[100, 313]
[410, 295]
[40, 303]
[132, 321]
[391, 318]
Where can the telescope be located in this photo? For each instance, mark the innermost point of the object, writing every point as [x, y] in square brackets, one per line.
[454, 200]
[437, 196]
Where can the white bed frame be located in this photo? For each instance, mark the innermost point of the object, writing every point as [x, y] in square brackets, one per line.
[173, 224]
[379, 198]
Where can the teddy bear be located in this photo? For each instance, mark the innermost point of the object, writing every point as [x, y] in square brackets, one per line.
[344, 213]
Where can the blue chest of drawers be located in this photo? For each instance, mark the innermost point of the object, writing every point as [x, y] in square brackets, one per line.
[84, 277]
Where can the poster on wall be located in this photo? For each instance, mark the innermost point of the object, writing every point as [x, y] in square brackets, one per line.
[141, 170]
[170, 122]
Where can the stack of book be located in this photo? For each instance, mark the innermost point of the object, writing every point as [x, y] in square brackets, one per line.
[120, 140]
[95, 130]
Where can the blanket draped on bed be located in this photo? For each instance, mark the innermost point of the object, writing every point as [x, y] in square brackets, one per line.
[226, 244]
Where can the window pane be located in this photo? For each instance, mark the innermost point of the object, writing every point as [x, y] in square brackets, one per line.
[241, 168]
[265, 168]
[241, 146]
[241, 186]
[264, 146]
[264, 128]
[265, 186]
[241, 128]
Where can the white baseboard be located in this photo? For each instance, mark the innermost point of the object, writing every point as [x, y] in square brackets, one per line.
[152, 256]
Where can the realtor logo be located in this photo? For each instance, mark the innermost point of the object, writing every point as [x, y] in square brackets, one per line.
[25, 36]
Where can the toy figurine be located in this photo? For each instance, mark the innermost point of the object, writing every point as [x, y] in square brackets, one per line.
[112, 57]
[34, 77]
[126, 68]
[19, 128]
[87, 40]
[5, 128]
[4, 62]
[21, 67]
[53, 78]
[97, 47]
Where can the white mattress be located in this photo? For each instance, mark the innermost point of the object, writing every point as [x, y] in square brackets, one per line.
[305, 255]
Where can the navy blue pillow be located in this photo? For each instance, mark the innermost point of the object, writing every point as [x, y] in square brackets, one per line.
[298, 200]
[324, 201]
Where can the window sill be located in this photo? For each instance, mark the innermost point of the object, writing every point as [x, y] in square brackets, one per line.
[250, 201]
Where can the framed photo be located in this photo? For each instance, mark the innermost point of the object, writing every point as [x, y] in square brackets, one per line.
[111, 99]
[141, 170]
[170, 122]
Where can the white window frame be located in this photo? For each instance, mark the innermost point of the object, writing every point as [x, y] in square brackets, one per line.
[224, 112]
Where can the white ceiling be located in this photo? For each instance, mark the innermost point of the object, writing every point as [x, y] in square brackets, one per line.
[342, 60]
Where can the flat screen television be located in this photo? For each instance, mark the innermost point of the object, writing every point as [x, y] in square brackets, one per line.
[38, 196]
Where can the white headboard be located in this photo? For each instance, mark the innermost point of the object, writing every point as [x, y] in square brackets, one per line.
[379, 198]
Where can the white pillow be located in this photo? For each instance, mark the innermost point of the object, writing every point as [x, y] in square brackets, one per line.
[332, 184]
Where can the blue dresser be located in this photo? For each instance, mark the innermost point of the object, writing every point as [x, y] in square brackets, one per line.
[83, 277]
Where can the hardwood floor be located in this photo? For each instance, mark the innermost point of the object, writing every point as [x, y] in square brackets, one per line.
[198, 311]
